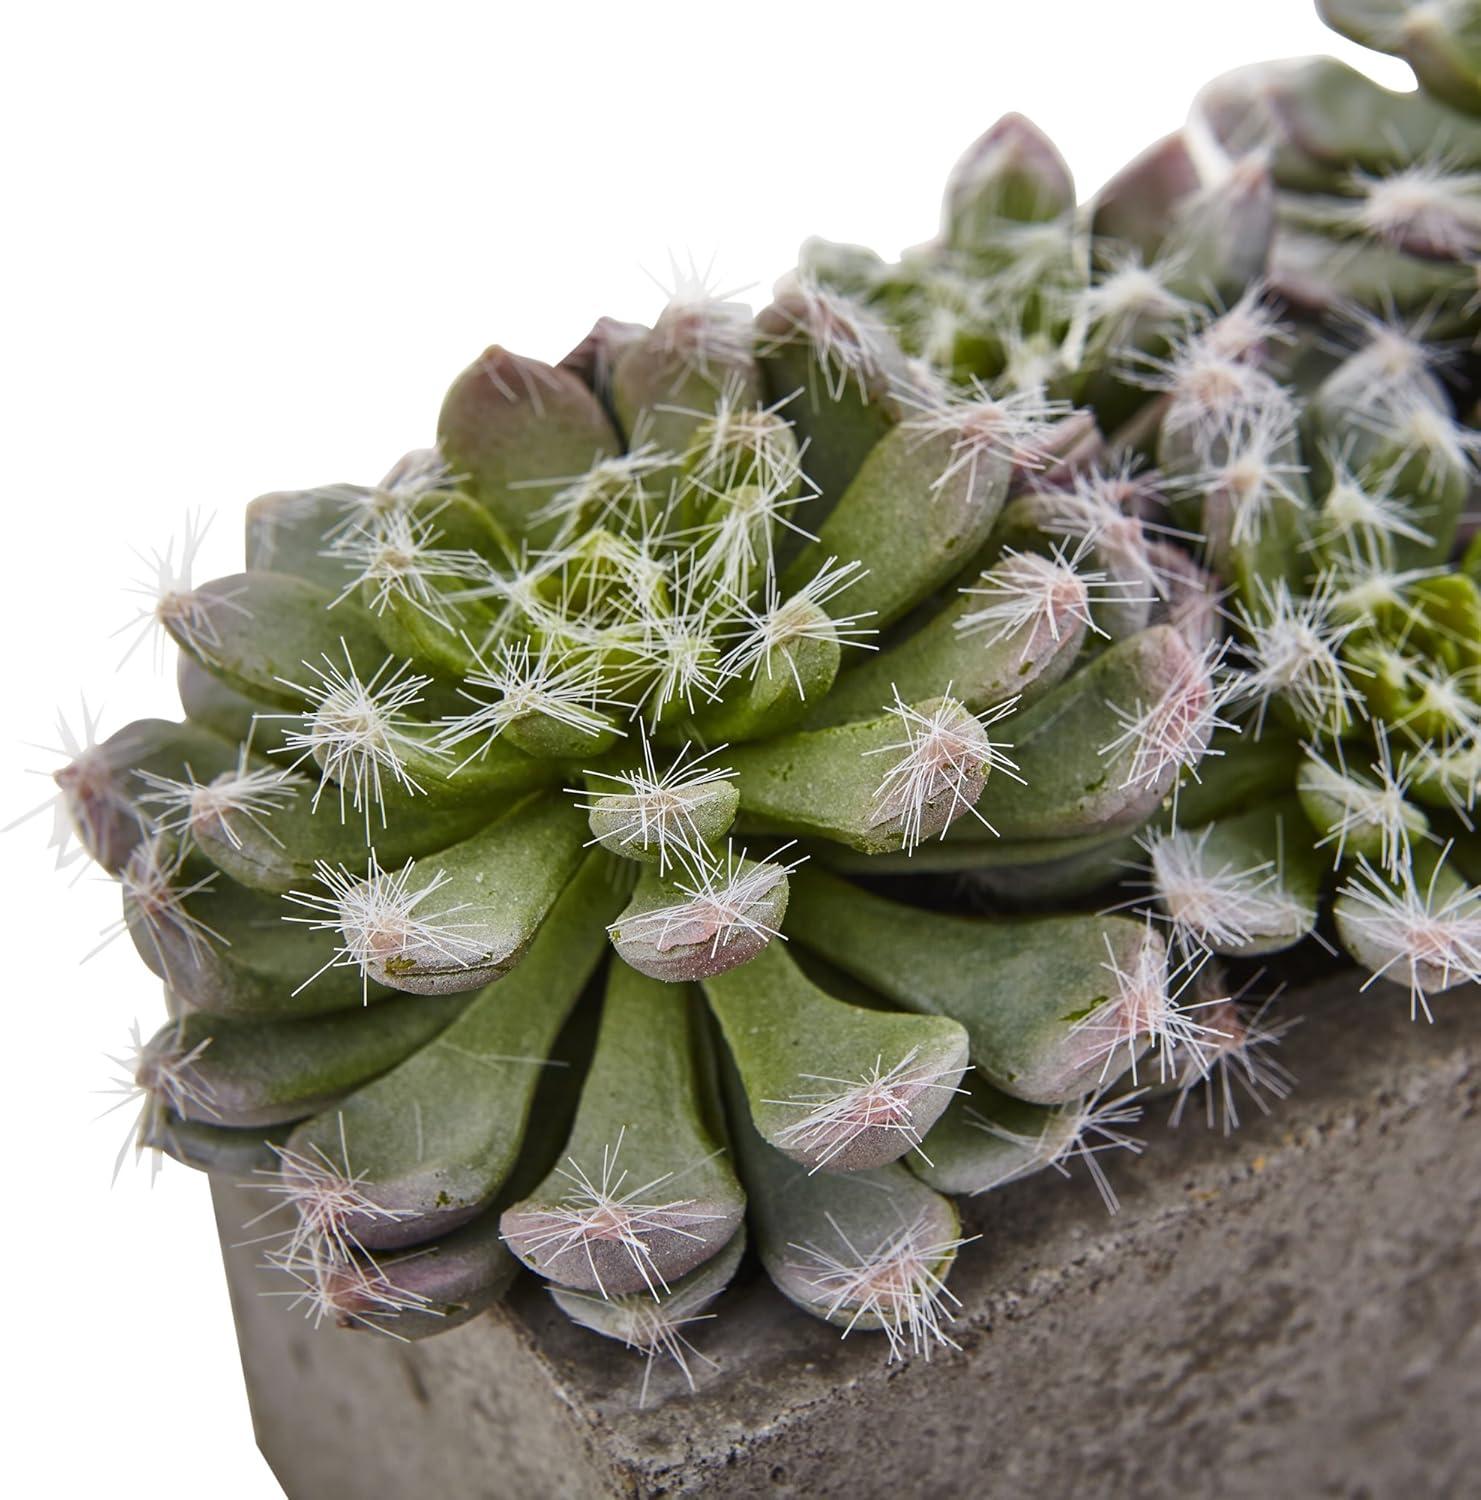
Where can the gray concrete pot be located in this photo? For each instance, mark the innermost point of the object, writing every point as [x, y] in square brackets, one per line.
[1289, 1312]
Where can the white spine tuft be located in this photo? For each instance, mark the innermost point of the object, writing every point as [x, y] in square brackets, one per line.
[1368, 804]
[1293, 647]
[157, 1077]
[1427, 941]
[157, 902]
[398, 559]
[1088, 1128]
[347, 1292]
[357, 731]
[596, 1209]
[380, 917]
[169, 588]
[1027, 589]
[1362, 514]
[620, 492]
[656, 810]
[1429, 206]
[724, 901]
[1145, 1007]
[87, 793]
[847, 339]
[551, 682]
[328, 1202]
[898, 1282]
[1251, 470]
[702, 331]
[652, 1329]
[985, 428]
[945, 754]
[246, 794]
[1172, 734]
[760, 634]
[1236, 1060]
[1210, 906]
[882, 1099]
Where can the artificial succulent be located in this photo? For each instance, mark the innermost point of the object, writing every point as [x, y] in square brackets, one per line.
[764, 776]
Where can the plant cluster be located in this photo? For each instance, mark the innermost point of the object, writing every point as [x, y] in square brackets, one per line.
[761, 777]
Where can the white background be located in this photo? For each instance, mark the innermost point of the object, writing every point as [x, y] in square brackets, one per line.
[248, 247]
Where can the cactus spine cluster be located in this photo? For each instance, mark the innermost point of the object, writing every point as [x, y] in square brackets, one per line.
[1096, 573]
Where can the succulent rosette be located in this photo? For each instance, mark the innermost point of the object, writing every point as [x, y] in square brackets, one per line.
[763, 776]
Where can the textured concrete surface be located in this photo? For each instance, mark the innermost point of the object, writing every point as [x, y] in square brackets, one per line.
[1291, 1312]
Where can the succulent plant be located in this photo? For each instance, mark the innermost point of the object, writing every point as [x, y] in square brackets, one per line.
[765, 776]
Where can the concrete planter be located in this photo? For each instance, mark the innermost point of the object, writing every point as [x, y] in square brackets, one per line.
[1294, 1311]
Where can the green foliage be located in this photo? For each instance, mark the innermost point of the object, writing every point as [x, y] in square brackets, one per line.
[1102, 557]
